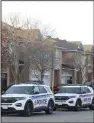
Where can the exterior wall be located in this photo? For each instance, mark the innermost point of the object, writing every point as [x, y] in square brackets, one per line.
[58, 59]
[58, 67]
[88, 70]
[46, 79]
[93, 67]
[79, 80]
[66, 56]
[73, 59]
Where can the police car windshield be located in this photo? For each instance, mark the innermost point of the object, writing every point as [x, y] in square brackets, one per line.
[20, 90]
[76, 90]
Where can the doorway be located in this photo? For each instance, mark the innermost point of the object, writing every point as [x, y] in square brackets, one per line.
[56, 77]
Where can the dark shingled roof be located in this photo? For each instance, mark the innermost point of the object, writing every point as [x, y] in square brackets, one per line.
[67, 45]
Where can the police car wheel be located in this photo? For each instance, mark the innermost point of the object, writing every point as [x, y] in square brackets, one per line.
[50, 108]
[91, 107]
[28, 109]
[77, 106]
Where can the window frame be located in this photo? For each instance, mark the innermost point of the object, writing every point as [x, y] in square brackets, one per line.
[34, 87]
[87, 90]
[44, 89]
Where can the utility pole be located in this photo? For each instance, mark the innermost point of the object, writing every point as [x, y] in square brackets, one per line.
[93, 68]
[52, 73]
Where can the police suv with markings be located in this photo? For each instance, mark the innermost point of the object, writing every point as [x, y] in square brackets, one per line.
[28, 97]
[74, 97]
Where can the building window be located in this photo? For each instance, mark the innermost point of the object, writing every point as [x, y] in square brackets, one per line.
[57, 54]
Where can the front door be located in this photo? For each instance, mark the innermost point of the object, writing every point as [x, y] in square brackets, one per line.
[56, 77]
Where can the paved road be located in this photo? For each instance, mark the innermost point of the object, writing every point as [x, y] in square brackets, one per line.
[84, 115]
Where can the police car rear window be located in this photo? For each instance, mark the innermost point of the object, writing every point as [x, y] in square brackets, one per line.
[63, 89]
[20, 90]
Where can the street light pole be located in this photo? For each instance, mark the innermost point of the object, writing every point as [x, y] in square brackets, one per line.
[52, 73]
[93, 69]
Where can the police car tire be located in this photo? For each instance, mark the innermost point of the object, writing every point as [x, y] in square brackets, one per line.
[28, 109]
[50, 108]
[91, 107]
[78, 105]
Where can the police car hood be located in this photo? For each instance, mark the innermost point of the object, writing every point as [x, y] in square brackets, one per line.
[66, 94]
[14, 95]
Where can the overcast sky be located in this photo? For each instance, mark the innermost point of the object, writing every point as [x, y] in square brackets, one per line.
[72, 21]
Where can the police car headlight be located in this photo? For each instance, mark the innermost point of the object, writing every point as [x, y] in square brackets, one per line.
[72, 97]
[20, 98]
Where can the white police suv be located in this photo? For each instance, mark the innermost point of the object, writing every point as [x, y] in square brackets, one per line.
[74, 97]
[26, 98]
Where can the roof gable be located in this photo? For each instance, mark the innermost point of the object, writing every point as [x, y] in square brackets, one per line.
[79, 44]
[68, 45]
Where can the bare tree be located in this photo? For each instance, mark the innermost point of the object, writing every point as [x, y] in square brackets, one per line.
[48, 31]
[80, 63]
[21, 31]
[8, 53]
[10, 44]
[41, 55]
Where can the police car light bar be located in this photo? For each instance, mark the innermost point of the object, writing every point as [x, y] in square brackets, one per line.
[71, 84]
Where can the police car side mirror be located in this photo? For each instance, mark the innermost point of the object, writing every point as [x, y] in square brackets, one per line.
[3, 92]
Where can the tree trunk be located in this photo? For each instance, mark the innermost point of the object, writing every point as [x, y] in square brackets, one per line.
[52, 79]
[41, 75]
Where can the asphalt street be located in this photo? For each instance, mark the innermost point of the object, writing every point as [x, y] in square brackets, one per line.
[85, 115]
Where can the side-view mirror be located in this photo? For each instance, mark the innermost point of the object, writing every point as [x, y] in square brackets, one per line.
[2, 92]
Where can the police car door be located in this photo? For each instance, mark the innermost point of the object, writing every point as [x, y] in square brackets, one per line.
[85, 95]
[88, 98]
[36, 97]
[43, 95]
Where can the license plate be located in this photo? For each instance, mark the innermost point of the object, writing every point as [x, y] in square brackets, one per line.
[4, 106]
[59, 104]
[59, 100]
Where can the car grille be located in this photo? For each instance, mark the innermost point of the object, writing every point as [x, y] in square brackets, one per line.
[8, 100]
[61, 97]
[9, 110]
